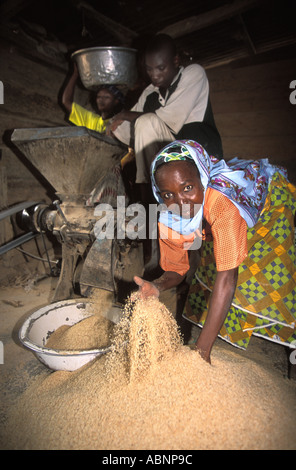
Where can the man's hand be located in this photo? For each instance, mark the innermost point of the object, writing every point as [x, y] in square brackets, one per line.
[113, 124]
[118, 119]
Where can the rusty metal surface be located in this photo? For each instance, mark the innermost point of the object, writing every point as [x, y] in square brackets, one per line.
[72, 159]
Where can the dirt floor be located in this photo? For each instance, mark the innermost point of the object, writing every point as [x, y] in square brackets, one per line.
[19, 366]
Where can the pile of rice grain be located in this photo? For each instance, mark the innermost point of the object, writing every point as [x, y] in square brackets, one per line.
[165, 399]
[92, 332]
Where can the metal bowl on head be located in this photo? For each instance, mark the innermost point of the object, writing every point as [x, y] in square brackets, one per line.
[37, 328]
[106, 66]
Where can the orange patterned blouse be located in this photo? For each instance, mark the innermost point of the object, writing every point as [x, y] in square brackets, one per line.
[227, 227]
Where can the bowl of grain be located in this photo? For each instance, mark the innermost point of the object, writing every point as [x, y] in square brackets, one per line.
[68, 334]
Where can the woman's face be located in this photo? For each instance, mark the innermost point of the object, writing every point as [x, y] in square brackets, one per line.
[106, 101]
[180, 187]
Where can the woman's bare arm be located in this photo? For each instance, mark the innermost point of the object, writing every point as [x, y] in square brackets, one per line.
[68, 93]
[221, 298]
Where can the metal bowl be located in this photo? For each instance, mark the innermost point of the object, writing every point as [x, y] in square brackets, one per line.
[106, 66]
[37, 328]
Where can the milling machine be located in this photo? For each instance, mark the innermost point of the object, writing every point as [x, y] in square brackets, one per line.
[74, 160]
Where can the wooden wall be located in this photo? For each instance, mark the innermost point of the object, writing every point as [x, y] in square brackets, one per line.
[253, 111]
[32, 90]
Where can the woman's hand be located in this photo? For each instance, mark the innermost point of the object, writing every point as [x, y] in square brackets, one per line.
[146, 289]
[204, 354]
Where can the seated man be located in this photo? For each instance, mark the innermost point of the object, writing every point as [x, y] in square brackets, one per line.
[176, 105]
[109, 101]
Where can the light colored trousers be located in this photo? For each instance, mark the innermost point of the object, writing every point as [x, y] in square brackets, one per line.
[151, 134]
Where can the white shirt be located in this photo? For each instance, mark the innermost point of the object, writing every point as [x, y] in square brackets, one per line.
[186, 104]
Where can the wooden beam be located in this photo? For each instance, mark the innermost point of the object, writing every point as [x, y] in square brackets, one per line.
[195, 23]
[272, 46]
[10, 8]
[122, 33]
[246, 36]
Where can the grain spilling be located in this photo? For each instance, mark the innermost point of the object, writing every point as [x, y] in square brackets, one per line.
[146, 334]
[152, 392]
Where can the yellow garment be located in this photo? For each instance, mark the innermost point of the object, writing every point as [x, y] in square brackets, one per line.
[82, 117]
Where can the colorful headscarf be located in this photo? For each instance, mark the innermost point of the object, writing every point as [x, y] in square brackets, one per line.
[244, 182]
